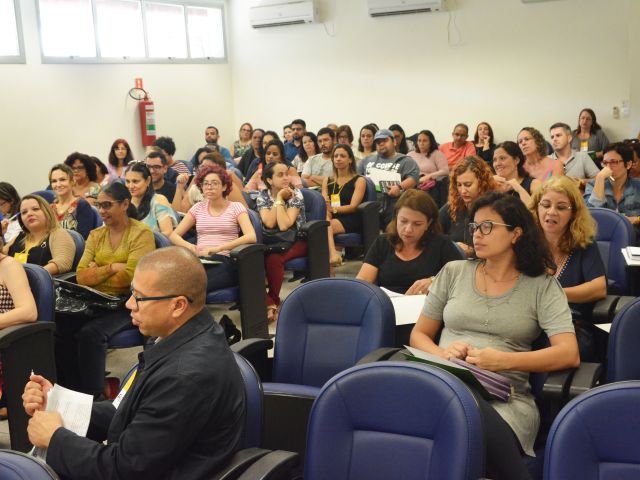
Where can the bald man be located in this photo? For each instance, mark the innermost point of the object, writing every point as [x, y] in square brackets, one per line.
[182, 415]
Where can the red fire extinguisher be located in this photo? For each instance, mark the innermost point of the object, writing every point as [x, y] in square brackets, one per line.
[146, 110]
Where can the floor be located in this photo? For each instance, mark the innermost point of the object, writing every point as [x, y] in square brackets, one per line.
[120, 361]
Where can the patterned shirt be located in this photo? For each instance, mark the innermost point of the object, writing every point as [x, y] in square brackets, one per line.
[265, 200]
[216, 230]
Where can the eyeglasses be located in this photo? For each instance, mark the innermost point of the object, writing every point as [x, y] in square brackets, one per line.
[154, 167]
[213, 184]
[78, 168]
[485, 227]
[245, 129]
[561, 207]
[106, 205]
[606, 163]
[163, 297]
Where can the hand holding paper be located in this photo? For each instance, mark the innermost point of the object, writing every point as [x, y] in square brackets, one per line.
[42, 426]
[486, 358]
[35, 394]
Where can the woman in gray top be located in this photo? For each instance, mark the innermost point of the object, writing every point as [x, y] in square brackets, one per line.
[493, 308]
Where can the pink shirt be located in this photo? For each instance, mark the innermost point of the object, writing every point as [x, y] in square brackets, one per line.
[435, 164]
[455, 154]
[216, 230]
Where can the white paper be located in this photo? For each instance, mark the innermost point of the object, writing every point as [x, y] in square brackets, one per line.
[628, 260]
[377, 175]
[407, 307]
[74, 408]
[604, 326]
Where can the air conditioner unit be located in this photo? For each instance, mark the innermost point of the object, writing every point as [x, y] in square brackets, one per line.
[379, 8]
[273, 13]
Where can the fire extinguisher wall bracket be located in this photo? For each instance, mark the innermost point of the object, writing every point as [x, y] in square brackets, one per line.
[146, 109]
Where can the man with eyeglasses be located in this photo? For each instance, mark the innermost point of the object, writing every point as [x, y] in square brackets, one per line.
[182, 415]
[157, 164]
[292, 148]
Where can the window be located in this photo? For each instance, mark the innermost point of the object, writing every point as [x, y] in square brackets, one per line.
[135, 31]
[11, 50]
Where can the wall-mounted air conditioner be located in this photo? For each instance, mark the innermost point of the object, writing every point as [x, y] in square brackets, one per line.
[272, 13]
[379, 8]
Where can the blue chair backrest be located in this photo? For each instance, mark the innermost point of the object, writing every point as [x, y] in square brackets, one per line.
[315, 207]
[257, 224]
[161, 240]
[615, 232]
[326, 326]
[78, 241]
[252, 433]
[21, 466]
[97, 219]
[48, 195]
[624, 339]
[370, 194]
[399, 420]
[597, 435]
[41, 285]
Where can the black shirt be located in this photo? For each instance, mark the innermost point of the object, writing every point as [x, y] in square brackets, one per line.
[398, 275]
[168, 189]
[457, 231]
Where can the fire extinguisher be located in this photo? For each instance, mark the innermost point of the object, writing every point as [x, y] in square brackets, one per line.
[146, 111]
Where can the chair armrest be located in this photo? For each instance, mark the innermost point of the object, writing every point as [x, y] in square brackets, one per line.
[250, 249]
[556, 386]
[239, 463]
[603, 310]
[378, 355]
[585, 378]
[370, 213]
[253, 308]
[315, 233]
[16, 332]
[623, 301]
[255, 351]
[276, 465]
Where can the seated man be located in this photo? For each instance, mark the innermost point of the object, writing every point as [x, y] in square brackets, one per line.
[211, 137]
[168, 147]
[319, 167]
[577, 165]
[183, 414]
[460, 147]
[157, 164]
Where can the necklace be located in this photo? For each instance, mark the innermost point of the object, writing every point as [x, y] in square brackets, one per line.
[561, 264]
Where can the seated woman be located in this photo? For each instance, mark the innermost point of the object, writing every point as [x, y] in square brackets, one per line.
[258, 162]
[84, 176]
[343, 193]
[243, 143]
[309, 148]
[183, 202]
[273, 152]
[110, 257]
[412, 251]
[491, 310]
[431, 161]
[120, 156]
[534, 148]
[613, 187]
[280, 207]
[218, 222]
[365, 142]
[252, 153]
[152, 208]
[72, 213]
[484, 142]
[511, 177]
[589, 136]
[42, 241]
[471, 178]
[9, 207]
[569, 229]
[344, 135]
[402, 143]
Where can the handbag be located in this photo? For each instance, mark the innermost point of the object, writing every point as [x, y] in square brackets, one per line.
[75, 299]
[278, 241]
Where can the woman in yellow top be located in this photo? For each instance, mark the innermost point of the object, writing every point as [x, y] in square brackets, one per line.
[41, 241]
[110, 258]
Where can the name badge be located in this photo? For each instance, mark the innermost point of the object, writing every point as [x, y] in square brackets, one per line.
[584, 145]
[335, 200]
[125, 389]
[21, 257]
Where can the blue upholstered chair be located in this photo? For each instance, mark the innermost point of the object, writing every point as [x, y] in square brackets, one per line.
[325, 326]
[78, 241]
[615, 232]
[392, 420]
[28, 347]
[369, 212]
[597, 436]
[48, 195]
[624, 339]
[97, 219]
[20, 466]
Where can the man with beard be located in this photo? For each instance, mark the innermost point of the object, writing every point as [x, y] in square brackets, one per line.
[320, 166]
[292, 148]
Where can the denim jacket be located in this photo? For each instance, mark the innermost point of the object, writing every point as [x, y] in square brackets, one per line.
[629, 204]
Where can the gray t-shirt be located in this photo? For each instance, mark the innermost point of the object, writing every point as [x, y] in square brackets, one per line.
[579, 165]
[317, 165]
[404, 165]
[510, 322]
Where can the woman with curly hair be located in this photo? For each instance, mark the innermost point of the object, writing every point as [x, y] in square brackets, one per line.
[85, 176]
[470, 178]
[534, 148]
[490, 310]
[561, 213]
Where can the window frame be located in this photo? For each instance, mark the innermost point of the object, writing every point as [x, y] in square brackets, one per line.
[21, 58]
[218, 4]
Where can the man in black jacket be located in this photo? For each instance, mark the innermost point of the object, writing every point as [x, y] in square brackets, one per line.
[182, 416]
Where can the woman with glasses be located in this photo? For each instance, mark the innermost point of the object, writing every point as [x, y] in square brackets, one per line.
[84, 176]
[152, 208]
[9, 208]
[613, 188]
[567, 225]
[72, 213]
[243, 143]
[471, 177]
[490, 310]
[110, 257]
[221, 225]
[41, 241]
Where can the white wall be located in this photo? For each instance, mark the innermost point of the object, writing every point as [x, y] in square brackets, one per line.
[507, 63]
[48, 111]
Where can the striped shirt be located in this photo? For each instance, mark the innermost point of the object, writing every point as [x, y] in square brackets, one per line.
[180, 167]
[216, 230]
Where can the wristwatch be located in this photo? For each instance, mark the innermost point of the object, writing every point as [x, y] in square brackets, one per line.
[335, 210]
